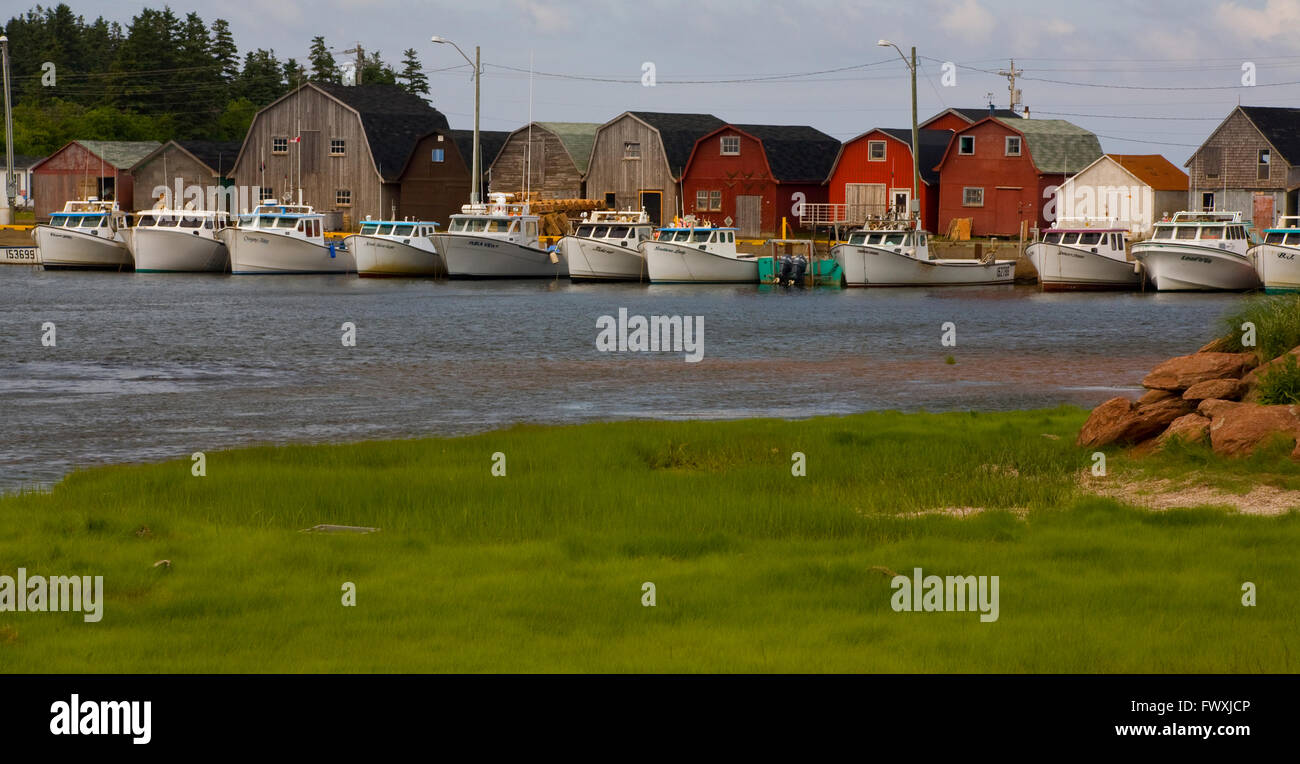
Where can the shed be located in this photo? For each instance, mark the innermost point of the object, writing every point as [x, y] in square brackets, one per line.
[82, 169]
[187, 169]
[872, 175]
[557, 163]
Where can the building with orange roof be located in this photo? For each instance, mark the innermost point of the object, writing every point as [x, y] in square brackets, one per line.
[1130, 191]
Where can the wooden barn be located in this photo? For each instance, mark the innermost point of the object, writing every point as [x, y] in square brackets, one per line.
[344, 145]
[435, 182]
[83, 169]
[1003, 173]
[960, 119]
[754, 175]
[872, 175]
[1251, 164]
[638, 157]
[183, 165]
[556, 165]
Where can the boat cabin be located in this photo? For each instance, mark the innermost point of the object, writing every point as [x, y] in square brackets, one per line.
[183, 220]
[296, 221]
[1099, 241]
[497, 220]
[1287, 231]
[718, 241]
[625, 229]
[394, 229]
[1217, 229]
[912, 242]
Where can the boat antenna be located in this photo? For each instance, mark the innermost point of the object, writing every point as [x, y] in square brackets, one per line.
[528, 154]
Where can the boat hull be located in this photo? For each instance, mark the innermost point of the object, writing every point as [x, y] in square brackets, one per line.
[872, 267]
[384, 257]
[177, 251]
[1278, 267]
[590, 260]
[478, 257]
[64, 249]
[677, 264]
[1069, 268]
[1183, 268]
[257, 253]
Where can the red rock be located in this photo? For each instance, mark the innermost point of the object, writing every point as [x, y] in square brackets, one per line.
[1149, 420]
[1107, 423]
[1221, 345]
[1153, 396]
[1224, 389]
[1252, 379]
[1180, 373]
[1192, 428]
[1214, 407]
[1244, 427]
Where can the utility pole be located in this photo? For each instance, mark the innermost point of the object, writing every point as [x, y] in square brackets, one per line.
[6, 212]
[361, 60]
[1011, 76]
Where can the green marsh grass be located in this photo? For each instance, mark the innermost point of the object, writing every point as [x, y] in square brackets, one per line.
[755, 570]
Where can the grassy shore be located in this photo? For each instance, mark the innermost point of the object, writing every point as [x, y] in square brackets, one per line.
[755, 569]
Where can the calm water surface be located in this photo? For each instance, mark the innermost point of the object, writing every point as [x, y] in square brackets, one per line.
[156, 366]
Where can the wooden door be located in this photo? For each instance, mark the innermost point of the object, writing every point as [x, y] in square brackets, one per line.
[1263, 212]
[863, 200]
[749, 216]
[653, 203]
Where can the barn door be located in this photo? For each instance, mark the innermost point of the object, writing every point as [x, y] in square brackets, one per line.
[310, 150]
[863, 200]
[653, 203]
[1263, 216]
[87, 188]
[749, 216]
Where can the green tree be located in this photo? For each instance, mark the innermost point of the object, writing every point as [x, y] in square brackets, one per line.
[323, 66]
[412, 75]
[224, 52]
[375, 72]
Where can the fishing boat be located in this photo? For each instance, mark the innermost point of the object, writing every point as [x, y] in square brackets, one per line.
[284, 238]
[396, 248]
[88, 234]
[496, 240]
[1199, 251]
[1083, 259]
[1277, 260]
[900, 256]
[175, 241]
[605, 246]
[697, 253]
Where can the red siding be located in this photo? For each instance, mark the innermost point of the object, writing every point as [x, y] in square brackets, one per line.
[948, 121]
[1012, 185]
[745, 174]
[895, 172]
[73, 173]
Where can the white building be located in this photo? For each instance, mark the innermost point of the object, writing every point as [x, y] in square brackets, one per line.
[23, 173]
[1132, 191]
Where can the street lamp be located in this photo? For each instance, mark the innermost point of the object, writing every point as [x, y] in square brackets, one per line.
[916, 148]
[478, 71]
[6, 211]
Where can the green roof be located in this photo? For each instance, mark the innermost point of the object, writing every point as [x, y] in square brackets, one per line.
[121, 154]
[577, 139]
[1057, 146]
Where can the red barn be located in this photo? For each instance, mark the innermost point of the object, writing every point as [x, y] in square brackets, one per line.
[757, 174]
[960, 119]
[999, 172]
[872, 174]
[83, 169]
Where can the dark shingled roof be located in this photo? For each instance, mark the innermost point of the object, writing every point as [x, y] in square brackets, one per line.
[490, 143]
[219, 156]
[933, 144]
[20, 161]
[796, 153]
[1280, 126]
[679, 132]
[394, 120]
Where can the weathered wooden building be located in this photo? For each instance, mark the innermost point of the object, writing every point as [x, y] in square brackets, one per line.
[1003, 173]
[344, 146]
[556, 155]
[83, 169]
[1251, 164]
[638, 157]
[755, 175]
[1131, 191]
[435, 182]
[181, 167]
[872, 175]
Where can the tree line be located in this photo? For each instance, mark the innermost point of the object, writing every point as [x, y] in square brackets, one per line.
[159, 77]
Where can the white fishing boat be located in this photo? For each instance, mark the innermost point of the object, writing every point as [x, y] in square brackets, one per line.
[497, 240]
[89, 234]
[605, 246]
[1199, 251]
[697, 253]
[901, 257]
[175, 241]
[396, 248]
[1277, 260]
[284, 238]
[1083, 259]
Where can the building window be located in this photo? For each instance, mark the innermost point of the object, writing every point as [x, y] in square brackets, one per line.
[611, 200]
[343, 198]
[875, 151]
[701, 200]
[730, 145]
[972, 197]
[1264, 158]
[266, 193]
[280, 145]
[708, 201]
[1013, 145]
[338, 147]
[715, 201]
[1207, 202]
[966, 144]
[631, 150]
[439, 155]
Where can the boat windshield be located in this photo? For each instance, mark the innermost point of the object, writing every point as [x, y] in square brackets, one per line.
[384, 229]
[1212, 232]
[1052, 237]
[701, 237]
[403, 230]
[584, 231]
[1186, 233]
[1089, 239]
[600, 232]
[1275, 237]
[894, 239]
[618, 232]
[286, 223]
[369, 228]
[192, 221]
[1163, 232]
[93, 221]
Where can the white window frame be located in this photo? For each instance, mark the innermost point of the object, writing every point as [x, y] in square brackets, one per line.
[965, 196]
[730, 140]
[871, 150]
[961, 139]
[1020, 145]
[631, 150]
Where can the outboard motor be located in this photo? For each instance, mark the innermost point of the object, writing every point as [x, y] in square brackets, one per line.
[787, 269]
[800, 267]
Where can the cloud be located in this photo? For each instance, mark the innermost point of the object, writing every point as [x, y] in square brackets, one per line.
[545, 17]
[968, 19]
[1276, 20]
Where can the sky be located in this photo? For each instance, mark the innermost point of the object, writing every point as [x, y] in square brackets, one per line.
[1155, 76]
